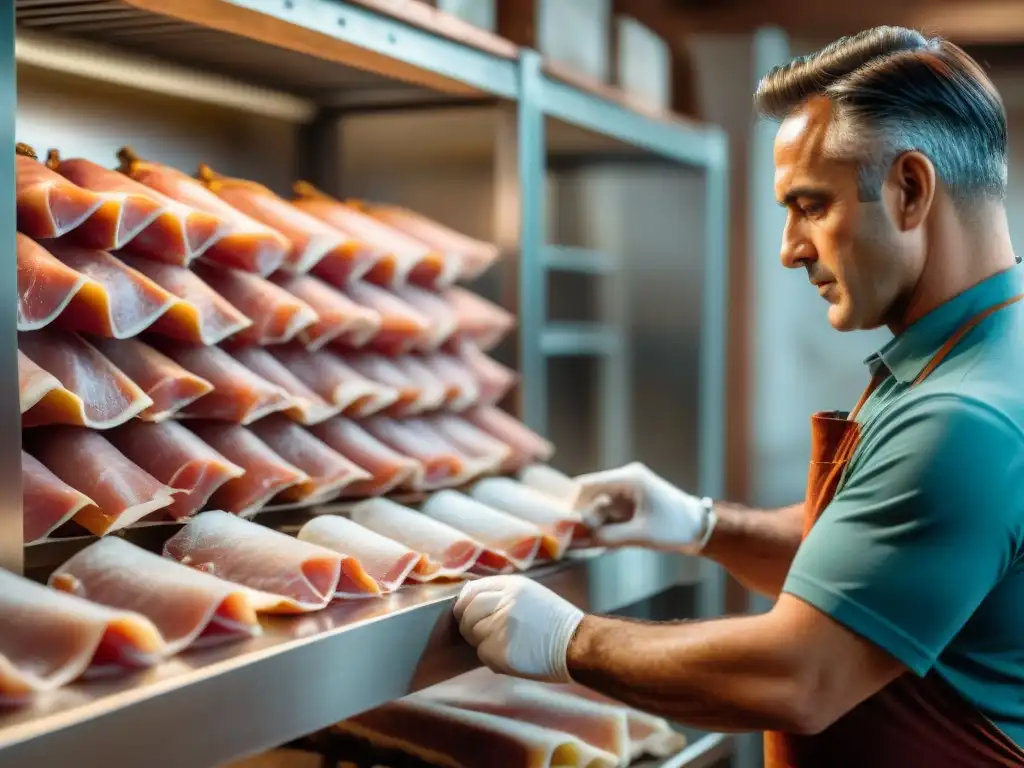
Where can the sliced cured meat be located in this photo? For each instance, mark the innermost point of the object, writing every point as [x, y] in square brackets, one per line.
[167, 384]
[276, 314]
[47, 500]
[403, 328]
[312, 240]
[176, 235]
[48, 204]
[128, 304]
[266, 473]
[307, 407]
[51, 639]
[93, 392]
[239, 395]
[475, 256]
[442, 318]
[341, 320]
[202, 317]
[286, 575]
[493, 379]
[551, 482]
[45, 285]
[178, 459]
[336, 381]
[123, 493]
[385, 560]
[244, 243]
[461, 388]
[327, 471]
[34, 384]
[187, 606]
[418, 389]
[444, 465]
[557, 523]
[485, 451]
[479, 320]
[443, 735]
[389, 468]
[124, 213]
[512, 542]
[449, 553]
[527, 446]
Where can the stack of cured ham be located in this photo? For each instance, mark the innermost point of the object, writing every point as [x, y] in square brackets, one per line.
[190, 343]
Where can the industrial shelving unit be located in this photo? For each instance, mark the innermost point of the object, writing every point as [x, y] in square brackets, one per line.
[312, 63]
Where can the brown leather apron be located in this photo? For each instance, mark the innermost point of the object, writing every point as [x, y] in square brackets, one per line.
[914, 722]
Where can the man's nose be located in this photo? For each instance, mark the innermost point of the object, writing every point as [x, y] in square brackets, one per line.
[796, 251]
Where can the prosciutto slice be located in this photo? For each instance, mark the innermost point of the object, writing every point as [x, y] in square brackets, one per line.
[266, 473]
[124, 214]
[442, 318]
[178, 459]
[527, 446]
[202, 317]
[511, 542]
[462, 390]
[45, 285]
[385, 560]
[341, 320]
[51, 639]
[336, 381]
[122, 492]
[188, 607]
[444, 465]
[128, 304]
[244, 243]
[176, 235]
[93, 392]
[551, 483]
[48, 502]
[166, 383]
[479, 320]
[276, 314]
[389, 468]
[485, 451]
[48, 204]
[328, 472]
[557, 523]
[238, 395]
[403, 328]
[307, 407]
[444, 735]
[493, 379]
[449, 553]
[286, 575]
[418, 389]
[34, 384]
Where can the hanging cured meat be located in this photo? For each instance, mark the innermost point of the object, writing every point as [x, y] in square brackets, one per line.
[527, 446]
[442, 319]
[307, 407]
[558, 524]
[551, 483]
[122, 492]
[202, 317]
[390, 469]
[188, 607]
[34, 384]
[266, 473]
[48, 204]
[511, 543]
[313, 241]
[485, 451]
[178, 459]
[403, 328]
[387, 561]
[276, 314]
[443, 735]
[335, 381]
[494, 379]
[444, 465]
[238, 395]
[462, 390]
[51, 638]
[328, 472]
[287, 575]
[479, 320]
[418, 389]
[244, 244]
[45, 285]
[176, 235]
[128, 304]
[47, 501]
[166, 383]
[341, 320]
[92, 393]
[449, 552]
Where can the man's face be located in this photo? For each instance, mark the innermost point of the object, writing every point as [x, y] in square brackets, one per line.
[851, 250]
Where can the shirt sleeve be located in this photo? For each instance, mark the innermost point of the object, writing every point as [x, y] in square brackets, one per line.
[925, 525]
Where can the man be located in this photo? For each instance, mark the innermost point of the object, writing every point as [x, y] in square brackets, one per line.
[897, 637]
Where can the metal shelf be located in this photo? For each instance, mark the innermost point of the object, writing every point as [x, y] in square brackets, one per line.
[563, 339]
[563, 258]
[303, 674]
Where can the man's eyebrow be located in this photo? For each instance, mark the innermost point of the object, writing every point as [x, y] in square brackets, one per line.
[807, 193]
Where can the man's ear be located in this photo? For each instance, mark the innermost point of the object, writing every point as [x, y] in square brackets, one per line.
[912, 181]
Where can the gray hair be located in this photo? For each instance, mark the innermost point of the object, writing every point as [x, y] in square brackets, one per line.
[894, 91]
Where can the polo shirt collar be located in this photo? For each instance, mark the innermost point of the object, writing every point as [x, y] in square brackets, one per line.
[906, 355]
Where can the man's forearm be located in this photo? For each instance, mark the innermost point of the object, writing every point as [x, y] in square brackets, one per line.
[756, 546]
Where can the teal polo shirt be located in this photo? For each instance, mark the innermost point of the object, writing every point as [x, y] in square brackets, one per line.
[922, 549]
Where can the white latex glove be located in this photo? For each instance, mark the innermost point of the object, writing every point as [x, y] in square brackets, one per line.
[632, 506]
[518, 627]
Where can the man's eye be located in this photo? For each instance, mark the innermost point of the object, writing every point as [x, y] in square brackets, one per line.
[813, 209]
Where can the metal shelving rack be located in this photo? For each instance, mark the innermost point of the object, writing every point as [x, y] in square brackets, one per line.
[309, 61]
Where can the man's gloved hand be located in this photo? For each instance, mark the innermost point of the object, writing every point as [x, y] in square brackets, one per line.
[518, 627]
[632, 506]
